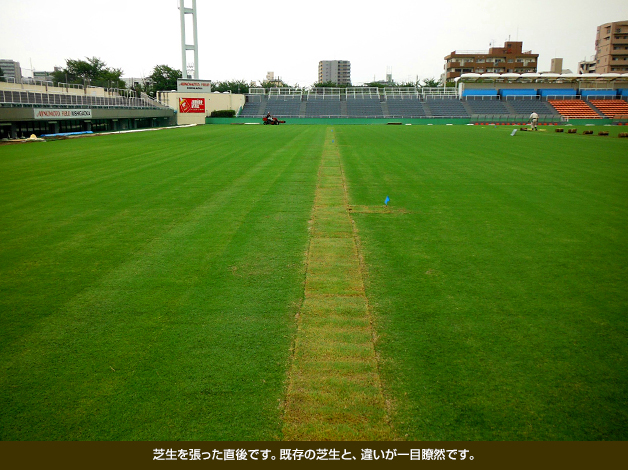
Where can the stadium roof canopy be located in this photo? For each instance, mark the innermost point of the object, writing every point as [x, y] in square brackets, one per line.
[540, 77]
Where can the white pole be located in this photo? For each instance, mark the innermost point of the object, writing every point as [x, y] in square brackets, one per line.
[183, 48]
[195, 41]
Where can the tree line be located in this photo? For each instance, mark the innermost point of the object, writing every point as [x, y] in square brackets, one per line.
[95, 72]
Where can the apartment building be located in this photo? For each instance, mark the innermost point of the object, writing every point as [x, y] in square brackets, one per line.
[335, 71]
[508, 59]
[11, 70]
[611, 48]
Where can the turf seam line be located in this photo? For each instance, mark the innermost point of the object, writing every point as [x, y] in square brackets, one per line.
[325, 399]
[369, 310]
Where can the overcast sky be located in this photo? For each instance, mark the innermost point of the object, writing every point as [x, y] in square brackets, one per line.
[246, 39]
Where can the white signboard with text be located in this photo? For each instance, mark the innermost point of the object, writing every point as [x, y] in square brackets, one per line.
[192, 85]
[49, 113]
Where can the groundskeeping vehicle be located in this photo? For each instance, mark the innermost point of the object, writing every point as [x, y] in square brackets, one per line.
[273, 121]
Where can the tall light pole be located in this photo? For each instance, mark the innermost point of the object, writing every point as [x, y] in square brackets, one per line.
[188, 47]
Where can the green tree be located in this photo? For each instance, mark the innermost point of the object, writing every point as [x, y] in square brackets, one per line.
[163, 78]
[92, 71]
[431, 83]
[234, 86]
[329, 85]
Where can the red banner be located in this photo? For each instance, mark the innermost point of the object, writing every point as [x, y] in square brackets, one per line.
[192, 105]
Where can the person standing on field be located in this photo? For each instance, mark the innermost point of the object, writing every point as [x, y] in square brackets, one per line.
[534, 121]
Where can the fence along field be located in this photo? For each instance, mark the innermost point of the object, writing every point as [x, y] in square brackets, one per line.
[150, 282]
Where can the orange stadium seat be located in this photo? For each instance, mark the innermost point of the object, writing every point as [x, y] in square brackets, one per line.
[575, 109]
[611, 108]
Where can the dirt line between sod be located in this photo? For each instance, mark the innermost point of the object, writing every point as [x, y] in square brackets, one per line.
[334, 390]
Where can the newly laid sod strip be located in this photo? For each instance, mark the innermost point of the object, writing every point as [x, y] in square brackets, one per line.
[334, 390]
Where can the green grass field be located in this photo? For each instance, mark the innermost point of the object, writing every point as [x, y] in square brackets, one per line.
[150, 283]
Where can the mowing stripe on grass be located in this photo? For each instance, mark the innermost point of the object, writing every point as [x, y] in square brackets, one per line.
[334, 390]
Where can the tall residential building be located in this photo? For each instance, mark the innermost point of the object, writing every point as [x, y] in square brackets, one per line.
[11, 70]
[510, 58]
[611, 48]
[335, 71]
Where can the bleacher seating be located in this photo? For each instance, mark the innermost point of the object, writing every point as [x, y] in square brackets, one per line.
[251, 109]
[529, 106]
[283, 106]
[611, 108]
[502, 105]
[405, 107]
[576, 109]
[446, 107]
[364, 107]
[323, 107]
[30, 99]
[494, 106]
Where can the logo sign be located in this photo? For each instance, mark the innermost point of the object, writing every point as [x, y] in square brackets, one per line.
[191, 85]
[48, 113]
[192, 105]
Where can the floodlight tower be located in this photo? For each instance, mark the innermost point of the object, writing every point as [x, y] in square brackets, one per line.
[188, 47]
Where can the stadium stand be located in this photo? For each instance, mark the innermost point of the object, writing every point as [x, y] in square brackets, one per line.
[399, 107]
[575, 109]
[31, 99]
[528, 106]
[283, 106]
[492, 106]
[611, 108]
[44, 108]
[251, 109]
[364, 107]
[323, 107]
[511, 104]
[446, 107]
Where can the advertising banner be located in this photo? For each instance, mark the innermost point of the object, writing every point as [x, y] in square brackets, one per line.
[192, 85]
[192, 105]
[49, 113]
